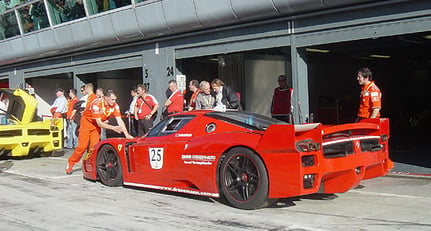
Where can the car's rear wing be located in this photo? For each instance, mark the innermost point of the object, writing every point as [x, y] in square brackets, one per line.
[370, 125]
[295, 138]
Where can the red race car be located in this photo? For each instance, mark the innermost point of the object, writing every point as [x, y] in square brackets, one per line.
[249, 159]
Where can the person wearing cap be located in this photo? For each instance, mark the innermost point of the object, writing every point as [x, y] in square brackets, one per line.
[60, 104]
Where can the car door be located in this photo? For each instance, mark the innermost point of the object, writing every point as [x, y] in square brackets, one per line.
[157, 157]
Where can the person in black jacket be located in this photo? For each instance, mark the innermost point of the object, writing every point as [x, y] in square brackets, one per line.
[226, 98]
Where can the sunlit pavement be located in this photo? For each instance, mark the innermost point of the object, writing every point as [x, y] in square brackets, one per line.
[38, 195]
[409, 170]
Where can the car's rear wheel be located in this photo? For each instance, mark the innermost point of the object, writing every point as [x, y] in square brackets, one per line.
[108, 165]
[244, 179]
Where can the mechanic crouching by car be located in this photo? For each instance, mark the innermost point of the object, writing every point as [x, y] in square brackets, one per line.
[96, 112]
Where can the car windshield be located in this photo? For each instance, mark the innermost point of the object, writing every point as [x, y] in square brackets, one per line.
[247, 120]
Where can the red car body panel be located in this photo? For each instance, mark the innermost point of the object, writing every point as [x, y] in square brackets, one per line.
[190, 157]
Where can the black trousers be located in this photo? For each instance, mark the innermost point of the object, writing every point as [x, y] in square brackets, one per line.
[133, 126]
[144, 126]
[282, 118]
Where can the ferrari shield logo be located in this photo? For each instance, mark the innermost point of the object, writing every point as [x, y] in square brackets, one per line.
[119, 147]
[156, 157]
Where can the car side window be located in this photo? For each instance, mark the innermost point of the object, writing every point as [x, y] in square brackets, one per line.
[170, 126]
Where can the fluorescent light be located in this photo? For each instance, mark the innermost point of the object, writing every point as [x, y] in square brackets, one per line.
[381, 56]
[427, 36]
[361, 57]
[316, 50]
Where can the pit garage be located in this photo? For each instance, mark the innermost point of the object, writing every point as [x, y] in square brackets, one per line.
[120, 80]
[401, 67]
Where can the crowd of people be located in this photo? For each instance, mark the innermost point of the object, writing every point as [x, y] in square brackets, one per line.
[88, 118]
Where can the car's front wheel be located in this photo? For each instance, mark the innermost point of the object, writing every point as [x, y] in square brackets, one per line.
[108, 165]
[244, 179]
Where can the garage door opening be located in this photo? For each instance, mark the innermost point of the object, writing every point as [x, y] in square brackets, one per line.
[252, 74]
[121, 81]
[4, 83]
[401, 67]
[44, 89]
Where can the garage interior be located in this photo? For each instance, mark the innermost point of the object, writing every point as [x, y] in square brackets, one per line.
[121, 81]
[401, 68]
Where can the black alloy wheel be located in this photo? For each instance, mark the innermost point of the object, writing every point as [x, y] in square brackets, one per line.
[109, 167]
[244, 179]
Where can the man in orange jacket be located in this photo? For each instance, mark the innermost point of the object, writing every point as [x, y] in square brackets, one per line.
[371, 96]
[96, 112]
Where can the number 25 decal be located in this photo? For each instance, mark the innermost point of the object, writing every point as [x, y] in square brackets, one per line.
[156, 157]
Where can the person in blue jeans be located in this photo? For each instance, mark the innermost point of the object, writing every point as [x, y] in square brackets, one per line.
[72, 139]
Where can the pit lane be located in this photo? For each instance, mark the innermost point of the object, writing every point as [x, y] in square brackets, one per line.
[37, 195]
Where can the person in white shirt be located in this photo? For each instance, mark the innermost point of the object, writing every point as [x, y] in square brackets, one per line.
[100, 94]
[133, 125]
[60, 104]
[226, 98]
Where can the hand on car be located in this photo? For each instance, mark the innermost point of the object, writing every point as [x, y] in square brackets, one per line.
[117, 129]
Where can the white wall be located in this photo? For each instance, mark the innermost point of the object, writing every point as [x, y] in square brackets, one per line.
[261, 73]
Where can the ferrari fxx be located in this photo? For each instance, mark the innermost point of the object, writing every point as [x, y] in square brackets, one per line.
[249, 159]
[22, 133]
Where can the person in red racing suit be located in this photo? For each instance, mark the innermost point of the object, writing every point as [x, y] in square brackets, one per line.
[371, 96]
[96, 112]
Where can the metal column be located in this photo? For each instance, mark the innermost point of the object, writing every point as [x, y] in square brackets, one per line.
[300, 101]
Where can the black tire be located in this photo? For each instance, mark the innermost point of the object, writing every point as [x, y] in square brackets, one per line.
[244, 179]
[46, 154]
[108, 164]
